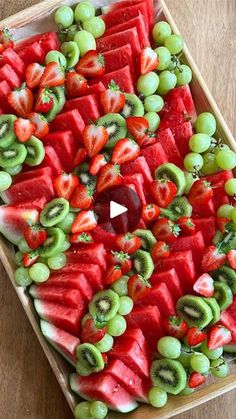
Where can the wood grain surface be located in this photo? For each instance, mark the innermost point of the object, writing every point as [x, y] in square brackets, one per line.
[29, 389]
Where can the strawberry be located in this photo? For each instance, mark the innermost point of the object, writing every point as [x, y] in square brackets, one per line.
[212, 259]
[163, 192]
[138, 287]
[165, 230]
[150, 212]
[24, 128]
[112, 274]
[95, 138]
[109, 175]
[80, 156]
[96, 163]
[121, 259]
[92, 64]
[85, 221]
[33, 75]
[146, 140]
[5, 40]
[195, 336]
[148, 60]
[76, 85]
[200, 193]
[80, 238]
[44, 101]
[112, 99]
[221, 223]
[218, 336]
[30, 258]
[92, 331]
[53, 75]
[128, 243]
[41, 124]
[64, 185]
[175, 326]
[160, 250]
[82, 197]
[137, 126]
[35, 236]
[231, 256]
[204, 285]
[196, 379]
[22, 101]
[125, 150]
[187, 226]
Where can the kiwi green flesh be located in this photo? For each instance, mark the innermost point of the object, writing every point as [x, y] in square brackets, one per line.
[54, 212]
[147, 238]
[90, 357]
[143, 263]
[227, 275]
[53, 244]
[133, 106]
[172, 172]
[7, 134]
[223, 294]
[104, 305]
[116, 127]
[194, 310]
[180, 207]
[55, 109]
[35, 151]
[13, 155]
[217, 237]
[215, 308]
[168, 374]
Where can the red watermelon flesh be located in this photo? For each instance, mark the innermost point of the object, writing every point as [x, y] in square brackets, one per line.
[217, 180]
[44, 171]
[155, 156]
[102, 235]
[173, 112]
[122, 77]
[171, 279]
[37, 203]
[87, 106]
[71, 280]
[138, 165]
[116, 40]
[207, 227]
[195, 242]
[182, 134]
[127, 3]
[52, 160]
[102, 386]
[136, 22]
[70, 120]
[44, 39]
[10, 76]
[161, 297]
[203, 210]
[138, 182]
[66, 297]
[66, 318]
[88, 253]
[4, 91]
[96, 89]
[185, 94]
[13, 220]
[183, 263]
[9, 56]
[124, 14]
[138, 336]
[229, 322]
[119, 58]
[91, 271]
[33, 53]
[62, 341]
[167, 141]
[65, 146]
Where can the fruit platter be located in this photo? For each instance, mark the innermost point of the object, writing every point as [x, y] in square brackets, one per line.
[101, 104]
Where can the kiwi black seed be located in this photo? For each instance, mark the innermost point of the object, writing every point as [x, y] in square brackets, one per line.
[13, 155]
[116, 127]
[7, 134]
[90, 357]
[223, 294]
[215, 308]
[53, 244]
[143, 263]
[172, 172]
[148, 240]
[133, 106]
[54, 212]
[104, 305]
[180, 207]
[227, 275]
[168, 374]
[35, 151]
[194, 310]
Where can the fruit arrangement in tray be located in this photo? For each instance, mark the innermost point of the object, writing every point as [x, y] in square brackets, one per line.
[101, 105]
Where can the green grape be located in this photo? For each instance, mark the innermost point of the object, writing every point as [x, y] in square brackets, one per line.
[154, 121]
[167, 81]
[225, 211]
[157, 397]
[39, 272]
[183, 74]
[84, 11]
[199, 143]
[184, 359]
[105, 344]
[71, 51]
[57, 262]
[219, 368]
[205, 123]
[161, 31]
[186, 391]
[226, 159]
[153, 103]
[23, 246]
[230, 187]
[174, 43]
[70, 33]
[57, 57]
[148, 83]
[67, 222]
[233, 215]
[18, 258]
[98, 410]
[96, 26]
[190, 178]
[200, 363]
[64, 17]
[85, 42]
[120, 286]
[169, 347]
[85, 318]
[116, 326]
[215, 354]
[126, 305]
[82, 411]
[193, 162]
[220, 147]
[164, 57]
[66, 245]
[5, 181]
[14, 170]
[209, 164]
[22, 277]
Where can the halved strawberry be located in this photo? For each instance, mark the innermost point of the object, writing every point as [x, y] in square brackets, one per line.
[128, 242]
[80, 238]
[125, 150]
[35, 236]
[138, 287]
[175, 326]
[80, 156]
[204, 285]
[212, 259]
[76, 84]
[5, 40]
[231, 256]
[92, 64]
[148, 60]
[121, 259]
[165, 230]
[163, 191]
[82, 197]
[85, 221]
[53, 75]
[30, 258]
[160, 250]
[44, 101]
[200, 193]
[196, 379]
[195, 336]
[96, 163]
[41, 124]
[24, 128]
[95, 138]
[33, 75]
[221, 223]
[150, 212]
[147, 139]
[137, 126]
[22, 101]
[112, 274]
[218, 336]
[64, 185]
[112, 99]
[109, 175]
[92, 331]
[187, 225]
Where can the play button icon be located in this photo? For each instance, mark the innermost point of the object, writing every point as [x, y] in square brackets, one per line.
[116, 209]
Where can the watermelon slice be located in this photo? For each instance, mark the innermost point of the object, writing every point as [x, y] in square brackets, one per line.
[138, 183]
[119, 58]
[155, 156]
[89, 253]
[182, 134]
[44, 171]
[219, 178]
[65, 146]
[48, 41]
[207, 227]
[70, 120]
[70, 280]
[10, 76]
[87, 106]
[171, 279]
[102, 235]
[52, 160]
[103, 387]
[136, 22]
[9, 56]
[33, 53]
[116, 40]
[195, 242]
[167, 141]
[161, 297]
[124, 14]
[66, 297]
[185, 94]
[127, 3]
[138, 336]
[4, 91]
[13, 220]
[122, 77]
[37, 203]
[91, 271]
[62, 341]
[66, 318]
[183, 263]
[138, 165]
[203, 210]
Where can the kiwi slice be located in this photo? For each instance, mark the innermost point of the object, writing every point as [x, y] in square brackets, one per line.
[194, 310]
[13, 155]
[82, 171]
[148, 240]
[14, 170]
[54, 212]
[215, 308]
[223, 294]
[168, 374]
[172, 172]
[53, 244]
[227, 275]
[59, 100]
[35, 151]
[180, 207]
[218, 237]
[104, 305]
[7, 134]
[143, 263]
[90, 357]
[116, 127]
[133, 106]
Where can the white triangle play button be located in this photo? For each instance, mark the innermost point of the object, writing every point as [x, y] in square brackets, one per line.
[116, 209]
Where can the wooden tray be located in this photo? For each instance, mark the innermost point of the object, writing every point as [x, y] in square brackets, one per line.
[37, 19]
